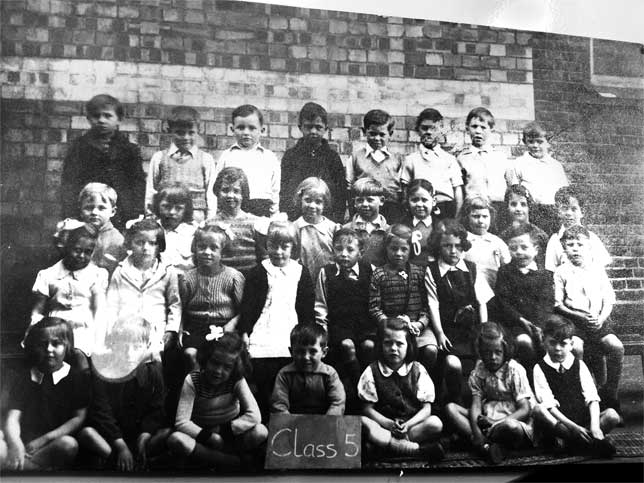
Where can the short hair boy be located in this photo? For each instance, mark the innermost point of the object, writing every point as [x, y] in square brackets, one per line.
[541, 174]
[97, 203]
[375, 160]
[568, 401]
[104, 155]
[483, 167]
[307, 385]
[184, 163]
[368, 197]
[570, 206]
[434, 164]
[524, 293]
[584, 294]
[260, 164]
[312, 156]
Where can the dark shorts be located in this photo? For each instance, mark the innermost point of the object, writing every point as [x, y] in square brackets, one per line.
[195, 332]
[593, 338]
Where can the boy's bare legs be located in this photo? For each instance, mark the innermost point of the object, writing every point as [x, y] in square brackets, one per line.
[60, 453]
[614, 350]
[453, 376]
[459, 417]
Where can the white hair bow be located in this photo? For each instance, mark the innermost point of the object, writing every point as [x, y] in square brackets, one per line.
[129, 223]
[215, 333]
[225, 227]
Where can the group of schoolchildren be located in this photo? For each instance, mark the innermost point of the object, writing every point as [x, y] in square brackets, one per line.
[244, 313]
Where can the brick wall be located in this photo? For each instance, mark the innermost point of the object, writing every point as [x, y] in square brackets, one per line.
[215, 55]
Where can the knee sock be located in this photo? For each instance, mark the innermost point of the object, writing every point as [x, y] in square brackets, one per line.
[403, 447]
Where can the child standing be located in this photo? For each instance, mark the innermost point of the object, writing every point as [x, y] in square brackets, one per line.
[568, 406]
[368, 197]
[569, 206]
[218, 419]
[499, 417]
[48, 403]
[398, 393]
[243, 252]
[277, 296]
[397, 290]
[488, 251]
[420, 201]
[435, 165]
[375, 161]
[173, 208]
[104, 155]
[541, 174]
[315, 231]
[143, 286]
[483, 167]
[73, 289]
[258, 163]
[184, 163]
[308, 385]
[583, 294]
[312, 156]
[524, 293]
[211, 294]
[457, 298]
[97, 207]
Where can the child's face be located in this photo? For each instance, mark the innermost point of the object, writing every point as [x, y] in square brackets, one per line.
[79, 253]
[97, 210]
[279, 252]
[219, 367]
[558, 350]
[479, 131]
[312, 206]
[171, 214]
[51, 353]
[492, 354]
[451, 250]
[144, 249]
[577, 250]
[247, 130]
[184, 137]
[208, 248]
[368, 206]
[430, 132]
[537, 146]
[397, 253]
[346, 251]
[307, 358]
[377, 135]
[421, 203]
[518, 208]
[230, 197]
[522, 250]
[104, 122]
[313, 130]
[570, 213]
[479, 220]
[394, 348]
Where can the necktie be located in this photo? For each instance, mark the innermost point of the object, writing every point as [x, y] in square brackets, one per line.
[561, 369]
[181, 156]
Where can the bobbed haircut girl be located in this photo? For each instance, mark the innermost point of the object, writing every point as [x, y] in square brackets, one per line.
[315, 184]
[229, 343]
[398, 231]
[146, 224]
[477, 202]
[209, 227]
[41, 332]
[177, 194]
[283, 232]
[84, 231]
[519, 190]
[394, 323]
[415, 185]
[231, 176]
[492, 332]
[447, 227]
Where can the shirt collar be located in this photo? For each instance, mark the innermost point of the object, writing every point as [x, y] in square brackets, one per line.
[433, 152]
[443, 267]
[530, 268]
[473, 236]
[301, 223]
[427, 221]
[106, 227]
[274, 271]
[257, 147]
[379, 223]
[173, 149]
[63, 272]
[369, 151]
[567, 363]
[388, 371]
[56, 376]
[355, 269]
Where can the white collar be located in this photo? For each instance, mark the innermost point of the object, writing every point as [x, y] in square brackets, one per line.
[424, 151]
[257, 147]
[443, 267]
[427, 221]
[273, 271]
[387, 371]
[530, 268]
[56, 376]
[369, 151]
[567, 363]
[301, 223]
[355, 269]
[379, 221]
[473, 236]
[63, 272]
[173, 149]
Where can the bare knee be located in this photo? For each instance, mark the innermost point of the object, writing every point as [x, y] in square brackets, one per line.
[429, 353]
[190, 358]
[180, 443]
[577, 347]
[348, 349]
[256, 436]
[613, 346]
[367, 351]
[453, 365]
[66, 447]
[524, 341]
[609, 419]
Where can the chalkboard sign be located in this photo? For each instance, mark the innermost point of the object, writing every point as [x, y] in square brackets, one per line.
[297, 441]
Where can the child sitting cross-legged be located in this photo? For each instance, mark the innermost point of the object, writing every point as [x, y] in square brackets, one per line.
[308, 385]
[398, 394]
[499, 416]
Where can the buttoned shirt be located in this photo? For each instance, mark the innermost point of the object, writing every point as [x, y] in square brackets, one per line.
[542, 177]
[435, 165]
[584, 288]
[484, 171]
[381, 165]
[489, 252]
[542, 390]
[556, 255]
